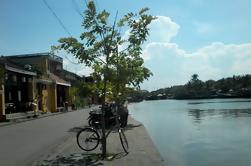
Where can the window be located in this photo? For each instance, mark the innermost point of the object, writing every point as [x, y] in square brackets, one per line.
[29, 80]
[9, 95]
[14, 78]
[58, 67]
[19, 95]
[23, 79]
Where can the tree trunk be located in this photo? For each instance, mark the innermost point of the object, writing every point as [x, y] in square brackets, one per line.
[103, 121]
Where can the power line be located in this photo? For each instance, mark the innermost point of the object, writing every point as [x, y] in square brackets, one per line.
[86, 3]
[62, 25]
[75, 63]
[55, 15]
[76, 8]
[96, 2]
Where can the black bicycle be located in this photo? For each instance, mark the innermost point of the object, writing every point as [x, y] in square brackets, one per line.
[89, 138]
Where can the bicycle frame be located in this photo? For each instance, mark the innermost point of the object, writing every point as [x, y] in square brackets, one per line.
[96, 132]
[116, 126]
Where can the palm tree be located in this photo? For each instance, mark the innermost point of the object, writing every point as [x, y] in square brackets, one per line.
[194, 78]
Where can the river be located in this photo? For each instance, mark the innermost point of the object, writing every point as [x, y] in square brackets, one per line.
[215, 132]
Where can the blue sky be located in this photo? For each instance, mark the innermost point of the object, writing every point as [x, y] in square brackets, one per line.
[208, 37]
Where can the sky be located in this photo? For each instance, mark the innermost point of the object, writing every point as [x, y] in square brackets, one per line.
[211, 38]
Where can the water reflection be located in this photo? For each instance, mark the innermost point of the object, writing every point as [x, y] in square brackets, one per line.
[223, 101]
[199, 114]
[199, 132]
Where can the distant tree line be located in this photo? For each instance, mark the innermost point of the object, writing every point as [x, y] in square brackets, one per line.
[231, 87]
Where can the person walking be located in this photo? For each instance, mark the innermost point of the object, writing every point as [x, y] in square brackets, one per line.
[34, 106]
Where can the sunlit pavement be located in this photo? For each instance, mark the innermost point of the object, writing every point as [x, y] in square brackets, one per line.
[51, 140]
[141, 150]
[23, 143]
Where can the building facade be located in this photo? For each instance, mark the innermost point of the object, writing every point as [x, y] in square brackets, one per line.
[32, 78]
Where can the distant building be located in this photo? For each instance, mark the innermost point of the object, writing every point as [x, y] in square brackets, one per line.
[70, 77]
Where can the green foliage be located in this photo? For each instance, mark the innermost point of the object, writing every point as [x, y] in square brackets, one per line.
[79, 93]
[236, 86]
[98, 48]
[136, 95]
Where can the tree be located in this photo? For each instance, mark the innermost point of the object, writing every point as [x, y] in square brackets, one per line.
[195, 82]
[99, 45]
[194, 78]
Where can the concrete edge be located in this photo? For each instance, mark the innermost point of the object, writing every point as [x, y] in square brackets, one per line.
[149, 136]
[22, 120]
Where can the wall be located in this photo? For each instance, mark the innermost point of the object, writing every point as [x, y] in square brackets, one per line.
[2, 103]
[52, 98]
[39, 62]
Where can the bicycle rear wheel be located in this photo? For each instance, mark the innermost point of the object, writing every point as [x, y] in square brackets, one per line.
[123, 140]
[90, 122]
[88, 139]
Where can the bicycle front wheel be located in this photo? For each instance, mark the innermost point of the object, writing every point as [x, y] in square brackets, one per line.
[123, 140]
[88, 139]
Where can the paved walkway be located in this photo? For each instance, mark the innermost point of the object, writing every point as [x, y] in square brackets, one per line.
[142, 151]
[28, 117]
[141, 148]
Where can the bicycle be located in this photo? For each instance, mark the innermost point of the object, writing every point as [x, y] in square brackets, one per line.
[89, 138]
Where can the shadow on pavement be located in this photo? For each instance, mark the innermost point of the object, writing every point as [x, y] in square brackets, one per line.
[75, 129]
[131, 126]
[76, 159]
[128, 127]
[80, 159]
[119, 155]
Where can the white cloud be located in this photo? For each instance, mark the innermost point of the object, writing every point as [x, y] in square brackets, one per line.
[66, 62]
[157, 50]
[242, 66]
[172, 65]
[80, 69]
[86, 71]
[168, 62]
[163, 29]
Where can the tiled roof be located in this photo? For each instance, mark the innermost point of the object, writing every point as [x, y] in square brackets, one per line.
[35, 55]
[14, 67]
[58, 80]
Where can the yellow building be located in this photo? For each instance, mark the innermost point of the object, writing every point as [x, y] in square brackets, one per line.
[33, 78]
[2, 103]
[16, 88]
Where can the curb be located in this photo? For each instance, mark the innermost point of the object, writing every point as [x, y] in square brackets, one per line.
[21, 120]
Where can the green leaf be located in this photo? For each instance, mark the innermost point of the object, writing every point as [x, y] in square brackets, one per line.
[142, 11]
[98, 49]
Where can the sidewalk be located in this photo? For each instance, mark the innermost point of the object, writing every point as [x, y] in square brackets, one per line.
[141, 150]
[23, 117]
[26, 117]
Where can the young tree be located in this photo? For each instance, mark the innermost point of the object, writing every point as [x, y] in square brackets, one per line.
[99, 49]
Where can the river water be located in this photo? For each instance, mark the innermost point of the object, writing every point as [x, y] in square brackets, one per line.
[215, 132]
